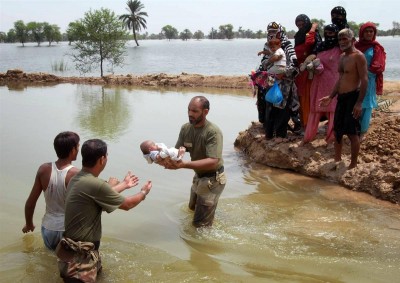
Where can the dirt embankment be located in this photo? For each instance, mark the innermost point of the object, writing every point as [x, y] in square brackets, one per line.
[378, 172]
[151, 80]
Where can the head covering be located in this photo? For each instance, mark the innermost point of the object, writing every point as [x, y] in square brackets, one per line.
[300, 36]
[275, 30]
[329, 41]
[363, 44]
[340, 23]
[378, 61]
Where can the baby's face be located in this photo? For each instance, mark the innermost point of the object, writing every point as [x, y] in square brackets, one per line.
[274, 44]
[152, 147]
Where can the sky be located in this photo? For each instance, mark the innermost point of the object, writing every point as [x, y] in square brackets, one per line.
[201, 14]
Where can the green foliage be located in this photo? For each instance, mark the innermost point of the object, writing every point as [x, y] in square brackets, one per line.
[260, 34]
[100, 39]
[21, 32]
[73, 31]
[186, 34]
[169, 32]
[52, 32]
[198, 35]
[226, 31]
[396, 28]
[354, 27]
[213, 34]
[135, 19]
[3, 36]
[37, 31]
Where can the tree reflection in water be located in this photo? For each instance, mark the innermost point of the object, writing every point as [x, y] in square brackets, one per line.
[102, 112]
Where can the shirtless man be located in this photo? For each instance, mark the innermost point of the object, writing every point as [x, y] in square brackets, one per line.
[350, 88]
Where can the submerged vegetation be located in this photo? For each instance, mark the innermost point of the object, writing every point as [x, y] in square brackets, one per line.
[59, 66]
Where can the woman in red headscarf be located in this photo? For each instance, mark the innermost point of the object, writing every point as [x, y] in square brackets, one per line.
[376, 60]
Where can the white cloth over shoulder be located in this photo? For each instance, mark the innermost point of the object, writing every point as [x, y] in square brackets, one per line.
[54, 196]
[164, 152]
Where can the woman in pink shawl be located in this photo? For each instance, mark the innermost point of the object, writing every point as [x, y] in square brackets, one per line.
[325, 78]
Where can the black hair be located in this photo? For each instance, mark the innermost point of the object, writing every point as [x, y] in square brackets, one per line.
[92, 150]
[64, 143]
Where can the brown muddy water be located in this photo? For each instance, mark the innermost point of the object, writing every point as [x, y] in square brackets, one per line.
[271, 225]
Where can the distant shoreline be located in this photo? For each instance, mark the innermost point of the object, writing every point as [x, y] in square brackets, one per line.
[151, 80]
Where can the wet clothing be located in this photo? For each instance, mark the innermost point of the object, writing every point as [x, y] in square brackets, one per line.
[345, 123]
[51, 238]
[54, 195]
[207, 186]
[325, 77]
[79, 261]
[87, 197]
[77, 253]
[204, 196]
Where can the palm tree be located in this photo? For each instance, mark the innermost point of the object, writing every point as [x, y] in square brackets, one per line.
[135, 19]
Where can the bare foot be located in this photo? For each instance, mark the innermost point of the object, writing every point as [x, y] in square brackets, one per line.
[351, 166]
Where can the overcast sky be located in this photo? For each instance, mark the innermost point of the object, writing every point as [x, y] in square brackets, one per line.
[201, 14]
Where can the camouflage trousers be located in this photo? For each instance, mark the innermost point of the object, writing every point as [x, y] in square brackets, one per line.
[78, 260]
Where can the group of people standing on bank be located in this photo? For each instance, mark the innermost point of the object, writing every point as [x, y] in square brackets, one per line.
[75, 199]
[320, 68]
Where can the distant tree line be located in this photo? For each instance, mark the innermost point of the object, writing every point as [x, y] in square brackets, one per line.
[45, 32]
[99, 38]
[32, 32]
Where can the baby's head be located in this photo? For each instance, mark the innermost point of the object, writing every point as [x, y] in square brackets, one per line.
[147, 146]
[274, 44]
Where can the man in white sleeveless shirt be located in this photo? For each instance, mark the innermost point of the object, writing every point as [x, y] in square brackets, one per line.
[52, 178]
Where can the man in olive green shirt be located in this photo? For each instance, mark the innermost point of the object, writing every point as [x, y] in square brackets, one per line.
[87, 197]
[204, 141]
